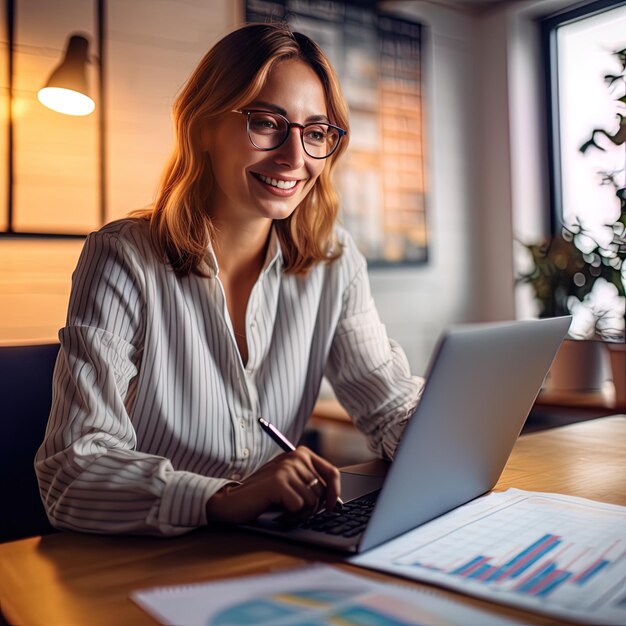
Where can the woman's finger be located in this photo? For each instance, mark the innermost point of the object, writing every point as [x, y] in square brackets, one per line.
[326, 473]
[295, 474]
[299, 481]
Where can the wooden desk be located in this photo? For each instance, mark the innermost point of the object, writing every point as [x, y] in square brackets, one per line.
[70, 579]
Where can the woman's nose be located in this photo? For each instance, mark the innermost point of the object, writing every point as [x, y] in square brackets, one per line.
[292, 151]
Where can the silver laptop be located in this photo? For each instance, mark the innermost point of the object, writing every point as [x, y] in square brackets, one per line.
[481, 384]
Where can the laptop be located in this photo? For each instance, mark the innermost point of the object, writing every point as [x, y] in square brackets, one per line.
[480, 387]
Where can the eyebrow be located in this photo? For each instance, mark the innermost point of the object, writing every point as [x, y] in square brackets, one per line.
[273, 108]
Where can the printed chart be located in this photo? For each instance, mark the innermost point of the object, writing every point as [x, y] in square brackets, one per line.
[559, 555]
[316, 595]
[318, 608]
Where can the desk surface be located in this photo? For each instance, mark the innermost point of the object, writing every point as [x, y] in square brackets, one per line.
[75, 579]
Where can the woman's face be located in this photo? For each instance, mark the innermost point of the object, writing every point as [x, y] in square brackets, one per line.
[246, 178]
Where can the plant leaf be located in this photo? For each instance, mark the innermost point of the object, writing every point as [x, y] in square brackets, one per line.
[621, 55]
[588, 145]
[612, 78]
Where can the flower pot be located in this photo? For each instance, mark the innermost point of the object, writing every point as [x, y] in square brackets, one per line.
[579, 365]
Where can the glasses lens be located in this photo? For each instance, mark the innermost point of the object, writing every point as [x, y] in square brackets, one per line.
[319, 139]
[267, 131]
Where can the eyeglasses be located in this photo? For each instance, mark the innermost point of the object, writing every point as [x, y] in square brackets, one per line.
[268, 131]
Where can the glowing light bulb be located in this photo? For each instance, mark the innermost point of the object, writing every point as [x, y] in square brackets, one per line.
[66, 101]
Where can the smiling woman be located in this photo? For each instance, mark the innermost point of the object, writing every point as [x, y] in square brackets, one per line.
[228, 300]
[205, 123]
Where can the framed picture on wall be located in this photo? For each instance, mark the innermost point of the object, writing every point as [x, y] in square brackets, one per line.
[51, 174]
[381, 180]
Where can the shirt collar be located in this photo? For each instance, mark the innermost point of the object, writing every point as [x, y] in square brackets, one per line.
[274, 254]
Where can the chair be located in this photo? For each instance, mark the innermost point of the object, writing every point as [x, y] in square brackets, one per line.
[25, 397]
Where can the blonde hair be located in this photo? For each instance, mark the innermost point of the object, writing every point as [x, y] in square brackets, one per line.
[230, 76]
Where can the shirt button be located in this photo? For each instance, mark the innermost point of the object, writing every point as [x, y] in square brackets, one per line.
[242, 424]
[245, 453]
[250, 370]
[252, 324]
[235, 476]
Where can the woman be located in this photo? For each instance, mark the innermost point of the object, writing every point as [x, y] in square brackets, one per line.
[229, 300]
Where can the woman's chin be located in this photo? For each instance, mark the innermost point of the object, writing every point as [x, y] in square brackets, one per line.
[279, 211]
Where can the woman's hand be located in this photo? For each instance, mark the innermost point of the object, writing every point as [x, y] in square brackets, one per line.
[298, 482]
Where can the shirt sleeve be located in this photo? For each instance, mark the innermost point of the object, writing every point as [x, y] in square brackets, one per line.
[369, 372]
[91, 477]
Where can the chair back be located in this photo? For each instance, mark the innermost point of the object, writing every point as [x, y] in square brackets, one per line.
[25, 398]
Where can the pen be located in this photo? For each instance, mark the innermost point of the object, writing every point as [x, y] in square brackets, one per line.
[281, 440]
[276, 435]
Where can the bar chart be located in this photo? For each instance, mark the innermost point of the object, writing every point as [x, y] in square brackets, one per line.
[558, 554]
[534, 577]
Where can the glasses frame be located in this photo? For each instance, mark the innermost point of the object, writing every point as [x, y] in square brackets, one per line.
[290, 125]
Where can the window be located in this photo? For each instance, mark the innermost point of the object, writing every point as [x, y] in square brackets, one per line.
[586, 52]
[587, 80]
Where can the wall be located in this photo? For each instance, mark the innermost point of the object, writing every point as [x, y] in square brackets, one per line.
[151, 47]
[472, 171]
[34, 287]
[528, 131]
[468, 278]
[488, 169]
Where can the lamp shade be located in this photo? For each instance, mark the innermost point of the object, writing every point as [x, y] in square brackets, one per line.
[67, 89]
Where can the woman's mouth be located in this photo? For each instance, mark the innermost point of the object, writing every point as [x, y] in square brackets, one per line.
[278, 186]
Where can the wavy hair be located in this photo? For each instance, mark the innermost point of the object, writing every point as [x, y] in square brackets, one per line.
[230, 76]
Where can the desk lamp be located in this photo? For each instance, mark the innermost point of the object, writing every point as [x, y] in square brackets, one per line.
[67, 89]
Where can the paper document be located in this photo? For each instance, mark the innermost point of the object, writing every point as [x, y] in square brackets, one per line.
[317, 595]
[555, 554]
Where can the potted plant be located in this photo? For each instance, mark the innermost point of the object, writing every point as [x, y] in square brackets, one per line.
[566, 281]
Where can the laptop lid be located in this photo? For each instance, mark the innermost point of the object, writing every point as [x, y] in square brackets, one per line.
[481, 385]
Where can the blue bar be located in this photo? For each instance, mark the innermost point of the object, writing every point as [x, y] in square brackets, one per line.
[480, 570]
[489, 571]
[594, 570]
[461, 570]
[495, 574]
[557, 581]
[538, 577]
[530, 548]
[537, 556]
[518, 557]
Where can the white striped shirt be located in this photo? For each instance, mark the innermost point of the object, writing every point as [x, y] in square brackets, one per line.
[153, 410]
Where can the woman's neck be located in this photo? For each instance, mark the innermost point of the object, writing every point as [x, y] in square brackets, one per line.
[241, 248]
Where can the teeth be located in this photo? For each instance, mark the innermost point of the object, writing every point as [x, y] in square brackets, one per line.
[281, 184]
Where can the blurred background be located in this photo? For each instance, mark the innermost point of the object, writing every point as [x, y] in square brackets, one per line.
[471, 169]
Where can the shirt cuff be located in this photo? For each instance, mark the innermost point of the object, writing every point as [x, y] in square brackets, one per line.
[184, 499]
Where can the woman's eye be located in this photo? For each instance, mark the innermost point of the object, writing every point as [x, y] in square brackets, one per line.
[317, 135]
[263, 123]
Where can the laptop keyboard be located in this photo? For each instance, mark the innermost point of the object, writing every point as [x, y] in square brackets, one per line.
[349, 521]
